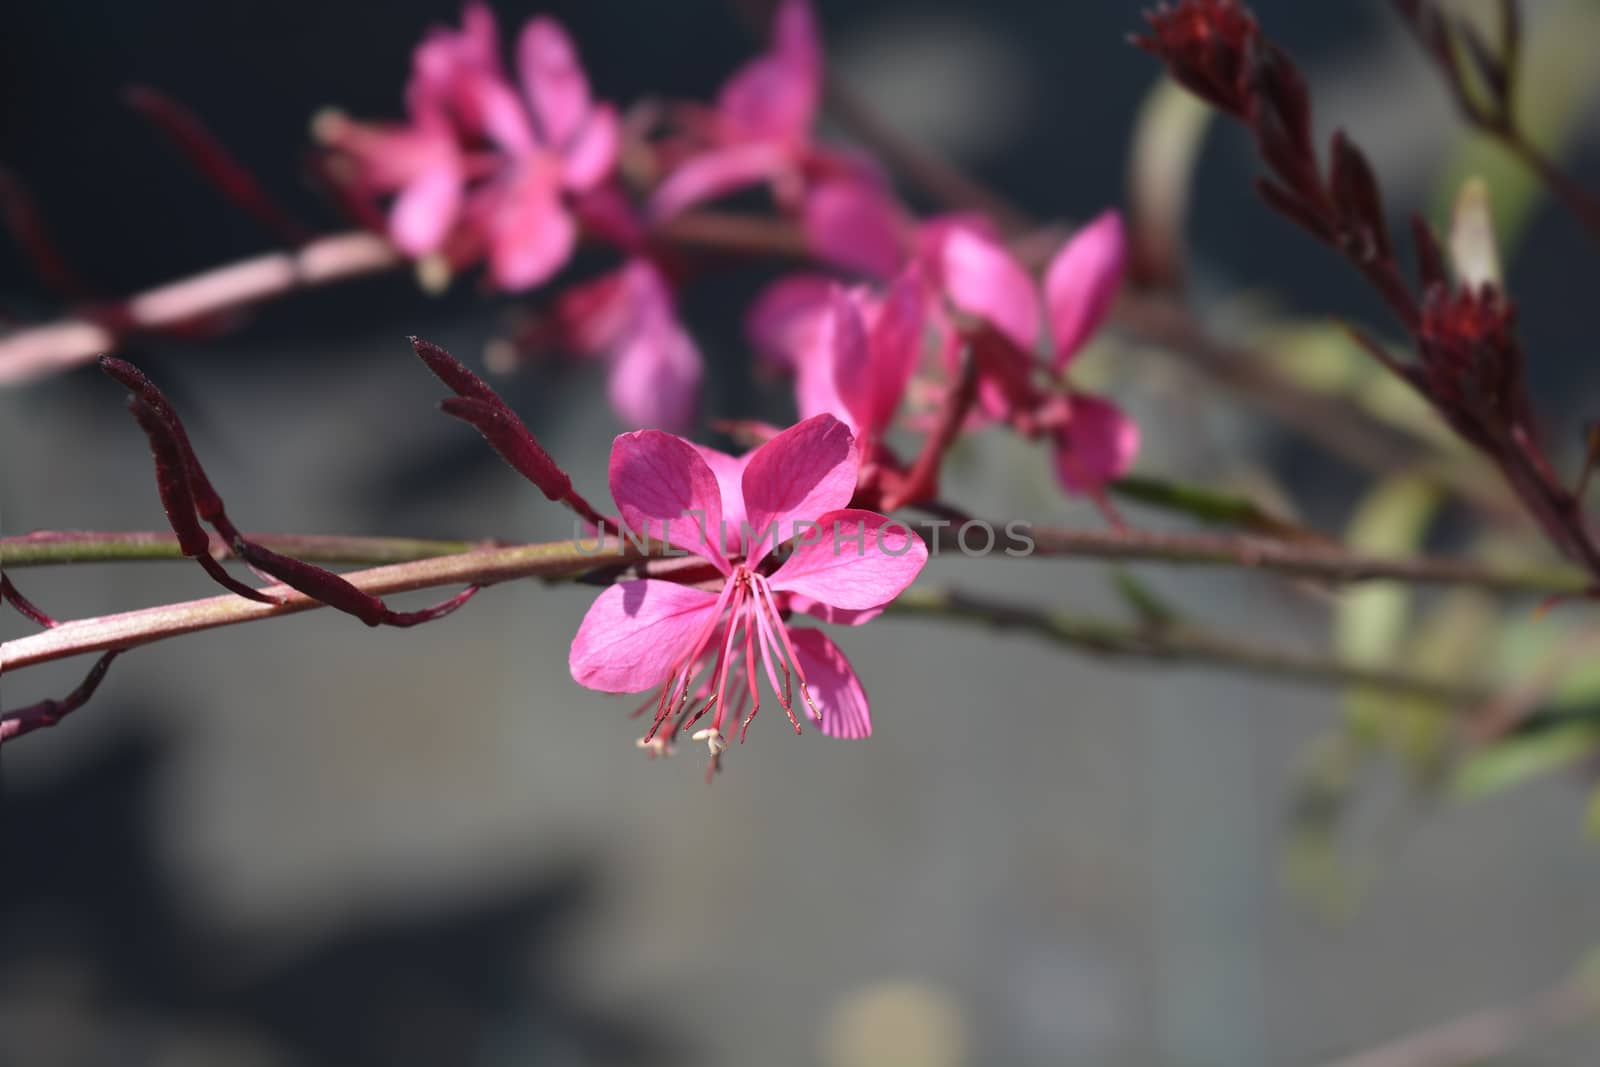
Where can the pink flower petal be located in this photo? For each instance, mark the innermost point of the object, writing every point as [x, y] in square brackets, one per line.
[425, 210]
[661, 484]
[480, 35]
[775, 95]
[590, 317]
[531, 235]
[553, 79]
[806, 470]
[1098, 445]
[592, 154]
[1082, 282]
[854, 225]
[655, 379]
[837, 347]
[833, 685]
[717, 173]
[730, 479]
[499, 115]
[858, 560]
[873, 388]
[1005, 377]
[459, 73]
[983, 279]
[785, 317]
[636, 632]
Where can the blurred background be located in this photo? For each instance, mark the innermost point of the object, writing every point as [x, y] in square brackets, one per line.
[308, 843]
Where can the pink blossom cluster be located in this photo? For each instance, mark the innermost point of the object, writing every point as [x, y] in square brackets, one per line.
[934, 326]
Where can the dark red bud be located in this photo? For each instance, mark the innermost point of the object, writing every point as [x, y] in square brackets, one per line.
[1430, 257]
[481, 406]
[517, 446]
[1472, 362]
[1357, 199]
[1290, 206]
[10, 594]
[184, 130]
[1207, 47]
[1282, 119]
[21, 215]
[453, 373]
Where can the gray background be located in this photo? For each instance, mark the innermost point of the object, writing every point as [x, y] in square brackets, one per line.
[309, 843]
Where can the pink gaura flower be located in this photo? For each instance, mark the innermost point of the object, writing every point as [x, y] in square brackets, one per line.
[627, 317]
[760, 132]
[853, 354]
[760, 128]
[860, 357]
[483, 169]
[857, 357]
[1094, 442]
[702, 647]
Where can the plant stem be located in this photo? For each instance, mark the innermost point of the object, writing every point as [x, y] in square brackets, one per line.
[1292, 558]
[1173, 644]
[40, 350]
[1488, 1034]
[36, 351]
[561, 559]
[1295, 559]
[1584, 207]
[73, 546]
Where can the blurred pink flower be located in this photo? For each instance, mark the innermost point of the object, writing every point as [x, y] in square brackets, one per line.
[760, 129]
[733, 512]
[860, 357]
[628, 318]
[1094, 442]
[760, 132]
[481, 170]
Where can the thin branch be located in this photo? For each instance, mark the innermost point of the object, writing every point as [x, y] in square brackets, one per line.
[36, 351]
[1488, 1034]
[561, 559]
[70, 546]
[564, 560]
[937, 177]
[1339, 427]
[39, 350]
[1577, 199]
[1491, 110]
[1172, 644]
[1297, 559]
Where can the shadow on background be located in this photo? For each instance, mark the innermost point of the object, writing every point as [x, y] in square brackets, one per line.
[95, 934]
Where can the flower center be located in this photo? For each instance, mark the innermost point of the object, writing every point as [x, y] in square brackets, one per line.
[718, 675]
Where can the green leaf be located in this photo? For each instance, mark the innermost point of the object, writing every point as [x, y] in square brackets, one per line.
[1210, 506]
[1449, 643]
[1529, 647]
[1515, 761]
[1149, 607]
[1371, 620]
[1591, 817]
